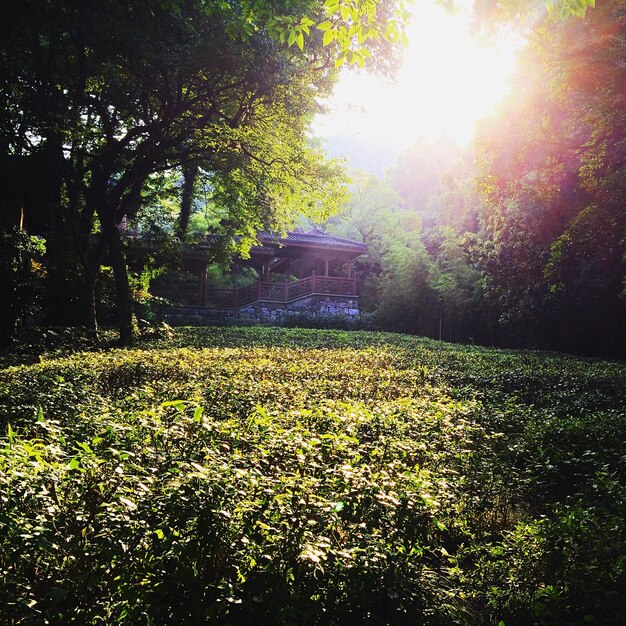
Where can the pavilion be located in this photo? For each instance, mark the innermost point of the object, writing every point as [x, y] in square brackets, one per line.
[292, 267]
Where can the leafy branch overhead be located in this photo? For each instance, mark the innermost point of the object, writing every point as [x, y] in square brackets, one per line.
[354, 28]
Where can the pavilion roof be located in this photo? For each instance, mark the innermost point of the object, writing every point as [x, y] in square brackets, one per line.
[295, 242]
[314, 238]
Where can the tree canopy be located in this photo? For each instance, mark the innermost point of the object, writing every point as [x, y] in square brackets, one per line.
[520, 239]
[554, 162]
[102, 100]
[105, 95]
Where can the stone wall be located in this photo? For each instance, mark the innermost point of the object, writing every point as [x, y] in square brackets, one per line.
[264, 312]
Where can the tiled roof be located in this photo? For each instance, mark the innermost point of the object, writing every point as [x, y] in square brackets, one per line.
[315, 238]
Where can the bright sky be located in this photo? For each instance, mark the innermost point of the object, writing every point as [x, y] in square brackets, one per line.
[448, 81]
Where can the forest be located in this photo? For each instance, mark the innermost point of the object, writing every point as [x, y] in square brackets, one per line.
[518, 239]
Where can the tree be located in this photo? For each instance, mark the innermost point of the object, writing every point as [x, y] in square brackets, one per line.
[115, 92]
[371, 213]
[109, 93]
[554, 165]
[19, 267]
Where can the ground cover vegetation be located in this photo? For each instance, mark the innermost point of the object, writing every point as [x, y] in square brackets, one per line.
[276, 476]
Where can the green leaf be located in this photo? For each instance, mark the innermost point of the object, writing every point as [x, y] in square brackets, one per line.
[292, 37]
[177, 404]
[329, 37]
[198, 413]
[300, 41]
[324, 26]
[73, 464]
[128, 503]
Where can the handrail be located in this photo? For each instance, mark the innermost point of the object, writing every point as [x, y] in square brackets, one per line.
[283, 292]
[300, 280]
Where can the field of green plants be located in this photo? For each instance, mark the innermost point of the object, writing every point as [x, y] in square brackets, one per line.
[232, 476]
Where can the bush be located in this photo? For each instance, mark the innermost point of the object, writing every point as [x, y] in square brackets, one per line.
[365, 321]
[264, 475]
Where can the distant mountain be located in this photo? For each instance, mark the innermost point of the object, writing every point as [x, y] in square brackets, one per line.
[372, 155]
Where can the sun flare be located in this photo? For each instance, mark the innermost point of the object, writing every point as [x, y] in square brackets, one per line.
[449, 80]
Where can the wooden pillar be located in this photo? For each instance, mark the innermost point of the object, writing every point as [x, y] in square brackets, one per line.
[202, 287]
[326, 266]
[349, 268]
[265, 272]
[286, 290]
[313, 282]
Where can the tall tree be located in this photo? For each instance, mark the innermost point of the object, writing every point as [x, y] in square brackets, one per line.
[113, 92]
[555, 162]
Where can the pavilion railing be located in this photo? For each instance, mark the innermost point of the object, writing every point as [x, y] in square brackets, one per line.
[281, 292]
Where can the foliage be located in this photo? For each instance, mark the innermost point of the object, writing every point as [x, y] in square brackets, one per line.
[307, 476]
[20, 277]
[553, 170]
[519, 240]
[358, 31]
[116, 94]
[336, 322]
[418, 274]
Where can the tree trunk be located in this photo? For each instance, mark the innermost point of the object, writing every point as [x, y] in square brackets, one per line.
[190, 174]
[113, 241]
[88, 299]
[122, 287]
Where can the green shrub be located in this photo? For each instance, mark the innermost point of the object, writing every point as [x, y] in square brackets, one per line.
[302, 476]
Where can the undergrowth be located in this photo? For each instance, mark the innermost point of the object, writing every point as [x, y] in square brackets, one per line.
[231, 476]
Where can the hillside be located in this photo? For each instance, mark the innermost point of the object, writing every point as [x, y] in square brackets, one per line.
[230, 476]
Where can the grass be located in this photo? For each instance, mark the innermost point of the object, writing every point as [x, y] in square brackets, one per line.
[229, 476]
